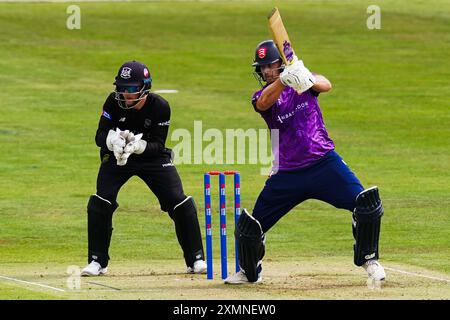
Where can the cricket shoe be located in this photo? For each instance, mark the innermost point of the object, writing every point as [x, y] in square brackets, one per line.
[375, 270]
[93, 269]
[199, 267]
[240, 278]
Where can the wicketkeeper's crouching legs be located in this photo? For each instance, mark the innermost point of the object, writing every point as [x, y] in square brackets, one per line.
[366, 225]
[100, 212]
[251, 245]
[187, 228]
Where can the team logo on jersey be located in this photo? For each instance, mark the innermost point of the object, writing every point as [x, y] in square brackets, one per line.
[122, 119]
[125, 73]
[300, 107]
[169, 164]
[147, 123]
[106, 115]
[262, 52]
[165, 123]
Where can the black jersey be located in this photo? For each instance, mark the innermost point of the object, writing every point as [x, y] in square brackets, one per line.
[152, 120]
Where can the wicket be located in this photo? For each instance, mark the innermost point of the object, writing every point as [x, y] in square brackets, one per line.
[223, 219]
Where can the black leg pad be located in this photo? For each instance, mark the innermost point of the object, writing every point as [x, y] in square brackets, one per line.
[100, 212]
[366, 225]
[251, 245]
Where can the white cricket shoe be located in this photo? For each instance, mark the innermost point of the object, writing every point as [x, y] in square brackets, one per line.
[199, 267]
[375, 270]
[93, 269]
[240, 278]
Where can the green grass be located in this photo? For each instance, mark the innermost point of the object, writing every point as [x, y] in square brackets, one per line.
[388, 114]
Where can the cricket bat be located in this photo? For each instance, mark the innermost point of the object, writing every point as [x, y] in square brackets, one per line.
[280, 37]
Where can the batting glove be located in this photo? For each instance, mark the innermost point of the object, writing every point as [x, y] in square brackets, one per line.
[297, 76]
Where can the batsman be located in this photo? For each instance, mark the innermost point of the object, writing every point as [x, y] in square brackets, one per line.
[131, 135]
[308, 166]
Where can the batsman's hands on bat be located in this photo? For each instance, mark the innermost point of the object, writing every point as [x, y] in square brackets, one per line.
[297, 76]
[295, 60]
[135, 145]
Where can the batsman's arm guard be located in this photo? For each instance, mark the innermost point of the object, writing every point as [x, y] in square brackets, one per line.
[251, 245]
[366, 225]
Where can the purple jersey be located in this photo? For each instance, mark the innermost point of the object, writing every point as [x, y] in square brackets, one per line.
[303, 138]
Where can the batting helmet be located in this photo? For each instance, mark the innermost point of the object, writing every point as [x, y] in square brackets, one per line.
[133, 77]
[266, 53]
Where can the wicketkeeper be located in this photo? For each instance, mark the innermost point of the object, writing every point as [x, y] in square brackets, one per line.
[308, 167]
[131, 135]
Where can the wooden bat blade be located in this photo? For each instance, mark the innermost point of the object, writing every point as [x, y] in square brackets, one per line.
[280, 36]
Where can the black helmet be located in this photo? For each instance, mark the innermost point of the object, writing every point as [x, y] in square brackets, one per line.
[266, 52]
[133, 77]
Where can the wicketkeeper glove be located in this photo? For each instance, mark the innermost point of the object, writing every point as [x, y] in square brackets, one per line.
[133, 143]
[115, 142]
[115, 138]
[122, 160]
[297, 76]
[137, 145]
[126, 134]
